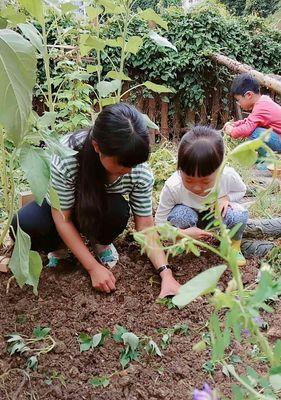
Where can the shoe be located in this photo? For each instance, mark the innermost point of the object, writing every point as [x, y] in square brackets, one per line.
[109, 256]
[55, 256]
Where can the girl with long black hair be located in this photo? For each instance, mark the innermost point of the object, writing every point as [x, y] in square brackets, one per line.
[110, 163]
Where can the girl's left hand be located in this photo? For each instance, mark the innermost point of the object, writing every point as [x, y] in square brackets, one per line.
[224, 204]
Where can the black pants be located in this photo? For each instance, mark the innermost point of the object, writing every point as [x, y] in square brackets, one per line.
[38, 223]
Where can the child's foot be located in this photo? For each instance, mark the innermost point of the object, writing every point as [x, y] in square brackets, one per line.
[54, 257]
[107, 254]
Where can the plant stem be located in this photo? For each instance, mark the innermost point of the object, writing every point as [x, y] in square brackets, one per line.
[265, 346]
[3, 170]
[123, 54]
[46, 59]
[248, 387]
[11, 202]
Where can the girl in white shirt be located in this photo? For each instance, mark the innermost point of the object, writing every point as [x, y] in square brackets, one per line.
[200, 154]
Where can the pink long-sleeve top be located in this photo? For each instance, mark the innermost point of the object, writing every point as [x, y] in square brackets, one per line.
[265, 114]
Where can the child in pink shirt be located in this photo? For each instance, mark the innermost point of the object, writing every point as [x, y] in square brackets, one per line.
[265, 113]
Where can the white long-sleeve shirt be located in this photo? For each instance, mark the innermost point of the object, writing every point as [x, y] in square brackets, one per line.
[174, 192]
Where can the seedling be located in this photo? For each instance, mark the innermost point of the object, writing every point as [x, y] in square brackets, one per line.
[24, 345]
[166, 301]
[169, 332]
[90, 342]
[55, 376]
[99, 381]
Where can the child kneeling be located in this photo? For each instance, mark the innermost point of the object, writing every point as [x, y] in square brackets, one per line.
[182, 200]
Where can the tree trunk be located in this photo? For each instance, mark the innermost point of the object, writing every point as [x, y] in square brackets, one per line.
[164, 119]
[177, 118]
[237, 67]
[152, 114]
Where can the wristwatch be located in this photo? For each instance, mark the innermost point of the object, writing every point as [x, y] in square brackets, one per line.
[164, 268]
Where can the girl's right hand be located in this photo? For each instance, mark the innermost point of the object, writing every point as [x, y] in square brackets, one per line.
[196, 233]
[102, 279]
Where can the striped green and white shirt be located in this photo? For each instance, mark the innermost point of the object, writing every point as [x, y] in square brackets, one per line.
[137, 185]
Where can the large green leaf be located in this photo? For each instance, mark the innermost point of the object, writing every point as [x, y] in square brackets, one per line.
[17, 78]
[245, 153]
[134, 44]
[202, 284]
[33, 35]
[150, 15]
[68, 7]
[150, 124]
[157, 88]
[117, 75]
[130, 339]
[35, 163]
[115, 42]
[93, 12]
[56, 147]
[35, 9]
[111, 7]
[11, 15]
[35, 268]
[161, 41]
[19, 263]
[54, 199]
[105, 88]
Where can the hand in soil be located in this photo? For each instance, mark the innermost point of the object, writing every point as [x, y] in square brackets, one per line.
[196, 233]
[169, 286]
[102, 279]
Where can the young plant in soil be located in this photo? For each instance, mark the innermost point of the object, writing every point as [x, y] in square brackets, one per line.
[22, 345]
[237, 310]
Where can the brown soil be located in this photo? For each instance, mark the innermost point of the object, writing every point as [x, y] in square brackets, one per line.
[68, 305]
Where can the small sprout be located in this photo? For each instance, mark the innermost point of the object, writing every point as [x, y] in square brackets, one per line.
[119, 330]
[152, 348]
[41, 333]
[130, 353]
[90, 342]
[32, 363]
[166, 301]
[99, 381]
[160, 370]
[209, 367]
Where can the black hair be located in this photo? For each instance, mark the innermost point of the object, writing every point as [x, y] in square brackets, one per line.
[244, 83]
[119, 130]
[201, 151]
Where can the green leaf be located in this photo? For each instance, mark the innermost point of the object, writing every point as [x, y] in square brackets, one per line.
[94, 42]
[150, 124]
[56, 147]
[119, 330]
[130, 339]
[41, 333]
[3, 23]
[108, 100]
[124, 358]
[157, 88]
[17, 78]
[94, 68]
[47, 119]
[115, 42]
[99, 381]
[161, 41]
[105, 88]
[34, 8]
[35, 163]
[245, 153]
[152, 348]
[68, 7]
[19, 263]
[11, 15]
[111, 7]
[202, 284]
[150, 15]
[134, 44]
[85, 342]
[277, 352]
[200, 346]
[118, 75]
[93, 12]
[54, 199]
[32, 363]
[96, 339]
[275, 378]
[35, 269]
[33, 35]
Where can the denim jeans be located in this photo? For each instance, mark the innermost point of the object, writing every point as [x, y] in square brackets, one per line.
[273, 141]
[184, 217]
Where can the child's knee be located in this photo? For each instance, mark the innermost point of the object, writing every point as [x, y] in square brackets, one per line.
[183, 217]
[236, 214]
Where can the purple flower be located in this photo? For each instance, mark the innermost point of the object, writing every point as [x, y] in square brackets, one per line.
[245, 332]
[205, 394]
[259, 321]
